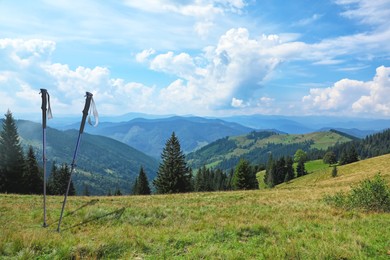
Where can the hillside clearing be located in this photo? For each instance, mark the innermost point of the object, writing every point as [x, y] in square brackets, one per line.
[290, 221]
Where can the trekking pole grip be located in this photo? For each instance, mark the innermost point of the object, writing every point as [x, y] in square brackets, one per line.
[44, 106]
[85, 110]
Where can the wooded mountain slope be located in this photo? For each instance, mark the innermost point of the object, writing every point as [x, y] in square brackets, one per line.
[256, 147]
[103, 164]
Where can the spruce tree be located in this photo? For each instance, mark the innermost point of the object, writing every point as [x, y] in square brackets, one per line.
[118, 192]
[269, 176]
[11, 157]
[32, 178]
[135, 187]
[86, 191]
[173, 175]
[280, 171]
[244, 177]
[290, 174]
[142, 187]
[58, 181]
[301, 171]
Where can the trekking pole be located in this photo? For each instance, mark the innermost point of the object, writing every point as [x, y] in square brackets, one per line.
[88, 101]
[45, 108]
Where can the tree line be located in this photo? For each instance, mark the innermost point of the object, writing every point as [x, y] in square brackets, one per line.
[20, 173]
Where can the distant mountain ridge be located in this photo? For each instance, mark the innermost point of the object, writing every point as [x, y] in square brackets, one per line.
[307, 124]
[102, 163]
[150, 135]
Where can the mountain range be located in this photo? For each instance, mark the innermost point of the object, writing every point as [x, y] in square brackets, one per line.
[103, 163]
[111, 154]
[150, 135]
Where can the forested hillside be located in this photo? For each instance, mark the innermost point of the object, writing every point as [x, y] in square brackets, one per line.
[257, 146]
[103, 164]
[371, 146]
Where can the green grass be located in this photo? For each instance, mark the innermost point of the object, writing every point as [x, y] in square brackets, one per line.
[291, 221]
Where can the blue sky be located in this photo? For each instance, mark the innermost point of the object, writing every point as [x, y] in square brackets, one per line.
[199, 57]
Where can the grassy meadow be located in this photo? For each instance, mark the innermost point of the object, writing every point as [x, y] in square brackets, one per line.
[291, 221]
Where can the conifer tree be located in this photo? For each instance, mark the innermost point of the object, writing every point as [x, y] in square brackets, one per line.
[58, 181]
[229, 180]
[173, 175]
[32, 178]
[11, 157]
[279, 171]
[301, 171]
[135, 187]
[243, 176]
[290, 174]
[269, 175]
[86, 190]
[142, 184]
[118, 192]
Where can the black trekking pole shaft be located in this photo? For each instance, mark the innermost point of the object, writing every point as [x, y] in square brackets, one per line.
[44, 109]
[73, 165]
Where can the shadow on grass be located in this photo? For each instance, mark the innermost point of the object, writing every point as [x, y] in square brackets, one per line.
[116, 215]
[92, 202]
[89, 203]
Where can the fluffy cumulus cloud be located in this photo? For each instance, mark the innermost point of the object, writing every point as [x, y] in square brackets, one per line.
[353, 97]
[20, 52]
[28, 68]
[222, 76]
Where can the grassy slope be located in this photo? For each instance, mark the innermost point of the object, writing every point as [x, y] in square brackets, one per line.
[322, 140]
[245, 144]
[290, 221]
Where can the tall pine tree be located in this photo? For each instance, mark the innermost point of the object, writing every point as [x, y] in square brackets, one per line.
[32, 178]
[269, 178]
[173, 175]
[301, 170]
[290, 174]
[244, 177]
[58, 181]
[11, 157]
[141, 186]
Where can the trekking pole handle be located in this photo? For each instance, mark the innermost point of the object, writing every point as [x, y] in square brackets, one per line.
[85, 110]
[44, 106]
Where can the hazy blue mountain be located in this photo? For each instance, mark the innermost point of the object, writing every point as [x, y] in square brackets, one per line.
[150, 135]
[354, 132]
[307, 124]
[102, 163]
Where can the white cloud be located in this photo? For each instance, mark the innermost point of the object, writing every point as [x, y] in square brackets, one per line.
[367, 11]
[353, 97]
[181, 65]
[237, 103]
[307, 21]
[25, 52]
[144, 55]
[266, 101]
[377, 101]
[235, 68]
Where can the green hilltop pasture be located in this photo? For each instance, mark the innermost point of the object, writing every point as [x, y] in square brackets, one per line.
[256, 146]
[291, 221]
